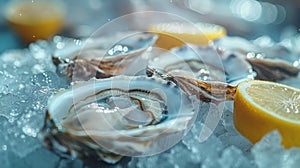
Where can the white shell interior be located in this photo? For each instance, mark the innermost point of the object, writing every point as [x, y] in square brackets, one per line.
[146, 140]
[177, 102]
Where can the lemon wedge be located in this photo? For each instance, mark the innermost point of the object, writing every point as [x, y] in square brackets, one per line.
[261, 106]
[176, 34]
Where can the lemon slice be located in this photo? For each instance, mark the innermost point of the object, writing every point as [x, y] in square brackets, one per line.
[175, 34]
[34, 20]
[260, 107]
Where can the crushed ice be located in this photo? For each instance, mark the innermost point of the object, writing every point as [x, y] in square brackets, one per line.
[28, 78]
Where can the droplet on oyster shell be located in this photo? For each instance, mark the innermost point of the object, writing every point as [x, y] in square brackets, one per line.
[271, 62]
[118, 116]
[83, 60]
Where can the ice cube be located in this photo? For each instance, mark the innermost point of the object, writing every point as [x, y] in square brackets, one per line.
[6, 102]
[291, 158]
[233, 157]
[41, 157]
[21, 144]
[201, 150]
[66, 163]
[227, 122]
[10, 160]
[48, 79]
[228, 139]
[268, 152]
[4, 160]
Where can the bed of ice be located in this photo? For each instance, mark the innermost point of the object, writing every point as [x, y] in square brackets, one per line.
[28, 78]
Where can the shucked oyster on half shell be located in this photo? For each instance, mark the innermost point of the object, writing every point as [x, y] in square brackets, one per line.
[202, 71]
[271, 62]
[99, 57]
[115, 117]
[204, 63]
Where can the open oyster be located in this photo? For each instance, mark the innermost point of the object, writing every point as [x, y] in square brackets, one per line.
[100, 58]
[115, 117]
[206, 91]
[203, 63]
[209, 74]
[271, 62]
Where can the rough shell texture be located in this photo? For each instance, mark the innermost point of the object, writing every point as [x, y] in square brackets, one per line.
[117, 116]
[203, 63]
[271, 62]
[102, 57]
[207, 91]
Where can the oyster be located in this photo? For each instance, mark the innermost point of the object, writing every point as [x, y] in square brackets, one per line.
[83, 60]
[206, 91]
[200, 71]
[271, 62]
[115, 117]
[203, 63]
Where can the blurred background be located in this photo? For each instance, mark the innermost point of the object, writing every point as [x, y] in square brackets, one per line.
[247, 18]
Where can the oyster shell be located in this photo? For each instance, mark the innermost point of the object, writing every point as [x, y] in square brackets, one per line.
[203, 63]
[206, 91]
[271, 62]
[115, 117]
[199, 71]
[100, 58]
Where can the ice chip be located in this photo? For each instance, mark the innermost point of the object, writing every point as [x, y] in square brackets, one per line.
[291, 158]
[4, 160]
[46, 159]
[37, 68]
[268, 152]
[12, 102]
[229, 139]
[65, 163]
[233, 157]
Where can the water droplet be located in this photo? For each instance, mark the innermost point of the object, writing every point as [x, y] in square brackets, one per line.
[4, 147]
[29, 131]
[21, 86]
[13, 113]
[37, 69]
[60, 45]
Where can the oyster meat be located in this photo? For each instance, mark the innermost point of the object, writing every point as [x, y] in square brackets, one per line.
[115, 117]
[206, 91]
[271, 62]
[83, 60]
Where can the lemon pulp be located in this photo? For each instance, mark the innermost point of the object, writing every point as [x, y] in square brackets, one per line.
[261, 106]
[176, 34]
